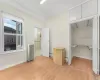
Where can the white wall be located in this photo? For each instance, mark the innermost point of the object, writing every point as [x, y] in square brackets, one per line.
[59, 36]
[59, 31]
[10, 59]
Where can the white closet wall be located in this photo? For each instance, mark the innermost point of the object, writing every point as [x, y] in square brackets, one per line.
[81, 36]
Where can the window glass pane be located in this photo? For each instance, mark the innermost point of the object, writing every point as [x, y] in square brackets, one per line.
[14, 40]
[9, 42]
[19, 28]
[12, 26]
[19, 42]
[9, 25]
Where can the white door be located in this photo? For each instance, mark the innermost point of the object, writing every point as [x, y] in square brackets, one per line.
[89, 8]
[75, 13]
[45, 42]
[95, 46]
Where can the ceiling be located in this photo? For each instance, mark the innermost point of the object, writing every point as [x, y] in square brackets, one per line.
[48, 9]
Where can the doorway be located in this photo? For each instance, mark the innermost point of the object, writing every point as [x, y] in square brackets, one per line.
[37, 42]
[84, 41]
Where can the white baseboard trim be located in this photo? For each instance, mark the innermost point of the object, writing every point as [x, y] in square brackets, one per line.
[51, 55]
[66, 59]
[8, 66]
[96, 71]
[84, 57]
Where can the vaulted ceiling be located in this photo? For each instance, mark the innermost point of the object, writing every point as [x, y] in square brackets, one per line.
[48, 9]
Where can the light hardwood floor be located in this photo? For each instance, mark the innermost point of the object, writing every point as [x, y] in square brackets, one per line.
[44, 69]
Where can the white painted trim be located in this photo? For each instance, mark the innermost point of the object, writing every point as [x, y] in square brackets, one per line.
[69, 45]
[96, 71]
[13, 34]
[9, 66]
[4, 14]
[27, 11]
[87, 18]
[38, 27]
[98, 62]
[1, 33]
[83, 57]
[95, 45]
[12, 16]
[67, 60]
[70, 53]
[34, 36]
[13, 51]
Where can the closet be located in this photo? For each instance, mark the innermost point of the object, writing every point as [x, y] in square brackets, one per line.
[84, 10]
[84, 36]
[81, 39]
[84, 41]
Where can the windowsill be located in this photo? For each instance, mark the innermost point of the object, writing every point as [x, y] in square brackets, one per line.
[13, 51]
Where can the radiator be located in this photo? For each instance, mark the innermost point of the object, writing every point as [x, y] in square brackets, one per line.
[30, 54]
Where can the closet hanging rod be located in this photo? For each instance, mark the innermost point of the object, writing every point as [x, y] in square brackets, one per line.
[89, 47]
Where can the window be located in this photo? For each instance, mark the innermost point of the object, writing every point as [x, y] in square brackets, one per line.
[13, 37]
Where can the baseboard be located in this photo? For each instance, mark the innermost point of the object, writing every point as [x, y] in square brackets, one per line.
[50, 54]
[66, 59]
[8, 66]
[96, 71]
[83, 57]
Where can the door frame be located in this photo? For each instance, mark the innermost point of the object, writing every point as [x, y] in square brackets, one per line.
[34, 38]
[42, 41]
[95, 61]
[98, 24]
[71, 22]
[70, 54]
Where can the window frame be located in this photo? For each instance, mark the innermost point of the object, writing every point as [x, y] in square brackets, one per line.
[9, 16]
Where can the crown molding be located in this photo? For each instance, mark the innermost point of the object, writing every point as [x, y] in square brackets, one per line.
[27, 11]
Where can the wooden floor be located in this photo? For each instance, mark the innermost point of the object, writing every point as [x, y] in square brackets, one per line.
[44, 69]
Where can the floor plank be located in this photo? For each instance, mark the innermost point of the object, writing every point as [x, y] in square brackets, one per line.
[45, 69]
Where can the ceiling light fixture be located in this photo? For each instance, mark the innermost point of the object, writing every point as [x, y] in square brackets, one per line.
[42, 1]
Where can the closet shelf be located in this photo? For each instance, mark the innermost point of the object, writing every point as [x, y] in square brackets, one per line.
[88, 46]
[74, 46]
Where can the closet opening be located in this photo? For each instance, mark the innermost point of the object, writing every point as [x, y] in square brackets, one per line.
[81, 40]
[37, 42]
